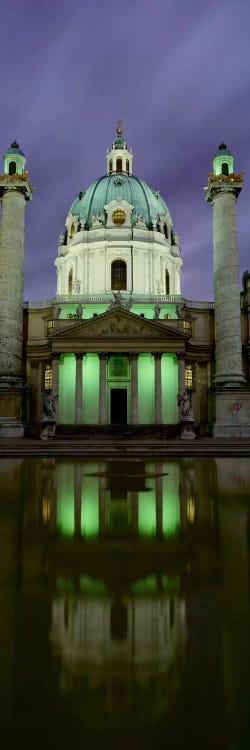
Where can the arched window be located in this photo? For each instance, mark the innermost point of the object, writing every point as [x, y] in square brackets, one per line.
[127, 166]
[12, 167]
[110, 165]
[118, 275]
[119, 165]
[165, 230]
[224, 168]
[167, 281]
[70, 282]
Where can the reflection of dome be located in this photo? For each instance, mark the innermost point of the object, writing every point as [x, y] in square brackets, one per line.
[145, 201]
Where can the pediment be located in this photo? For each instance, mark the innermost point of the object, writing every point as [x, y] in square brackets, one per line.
[116, 324]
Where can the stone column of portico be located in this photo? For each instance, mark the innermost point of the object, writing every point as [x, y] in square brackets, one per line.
[158, 389]
[134, 389]
[222, 192]
[78, 391]
[55, 380]
[102, 389]
[181, 376]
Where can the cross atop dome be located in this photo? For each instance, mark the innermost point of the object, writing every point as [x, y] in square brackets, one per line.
[119, 158]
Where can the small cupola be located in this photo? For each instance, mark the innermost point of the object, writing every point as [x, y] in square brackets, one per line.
[14, 160]
[223, 161]
[119, 159]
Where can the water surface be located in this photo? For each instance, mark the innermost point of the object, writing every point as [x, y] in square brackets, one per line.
[124, 600]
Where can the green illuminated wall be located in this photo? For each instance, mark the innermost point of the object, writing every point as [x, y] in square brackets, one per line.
[90, 503]
[148, 310]
[169, 375]
[67, 376]
[171, 502]
[91, 389]
[98, 308]
[65, 499]
[146, 388]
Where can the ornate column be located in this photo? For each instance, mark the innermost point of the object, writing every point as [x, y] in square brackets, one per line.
[222, 192]
[158, 390]
[134, 389]
[55, 379]
[102, 389]
[78, 391]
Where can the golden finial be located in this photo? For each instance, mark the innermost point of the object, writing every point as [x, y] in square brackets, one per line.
[119, 128]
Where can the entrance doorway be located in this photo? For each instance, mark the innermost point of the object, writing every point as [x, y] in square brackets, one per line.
[118, 405]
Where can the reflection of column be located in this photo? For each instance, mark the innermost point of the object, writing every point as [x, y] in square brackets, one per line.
[55, 380]
[77, 498]
[102, 389]
[159, 501]
[158, 392]
[134, 514]
[78, 391]
[233, 486]
[102, 500]
[134, 388]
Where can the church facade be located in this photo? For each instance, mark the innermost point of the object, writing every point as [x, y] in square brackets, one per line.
[118, 344]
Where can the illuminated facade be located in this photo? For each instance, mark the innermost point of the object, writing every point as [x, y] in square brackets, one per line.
[119, 342]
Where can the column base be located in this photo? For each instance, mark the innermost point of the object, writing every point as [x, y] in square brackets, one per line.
[10, 428]
[48, 430]
[230, 412]
[187, 430]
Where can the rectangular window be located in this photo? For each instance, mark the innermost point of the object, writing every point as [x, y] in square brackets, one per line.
[187, 327]
[189, 381]
[48, 377]
[50, 326]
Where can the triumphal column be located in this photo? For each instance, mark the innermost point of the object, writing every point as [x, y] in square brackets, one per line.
[230, 397]
[15, 190]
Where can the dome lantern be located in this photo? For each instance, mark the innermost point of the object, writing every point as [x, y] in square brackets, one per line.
[14, 160]
[119, 158]
[223, 161]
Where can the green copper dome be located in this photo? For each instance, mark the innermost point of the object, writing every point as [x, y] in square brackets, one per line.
[146, 202]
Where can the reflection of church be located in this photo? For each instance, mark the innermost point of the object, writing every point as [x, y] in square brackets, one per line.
[119, 342]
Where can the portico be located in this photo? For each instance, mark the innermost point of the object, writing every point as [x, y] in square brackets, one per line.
[117, 369]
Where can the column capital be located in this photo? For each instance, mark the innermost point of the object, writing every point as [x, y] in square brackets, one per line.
[180, 356]
[79, 355]
[157, 355]
[56, 355]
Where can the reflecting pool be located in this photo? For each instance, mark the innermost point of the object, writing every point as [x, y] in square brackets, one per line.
[124, 601]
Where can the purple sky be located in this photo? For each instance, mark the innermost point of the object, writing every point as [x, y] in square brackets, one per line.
[178, 74]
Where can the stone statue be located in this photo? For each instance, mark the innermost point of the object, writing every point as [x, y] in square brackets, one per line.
[120, 301]
[56, 311]
[180, 310]
[184, 403]
[49, 406]
[79, 311]
[157, 310]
